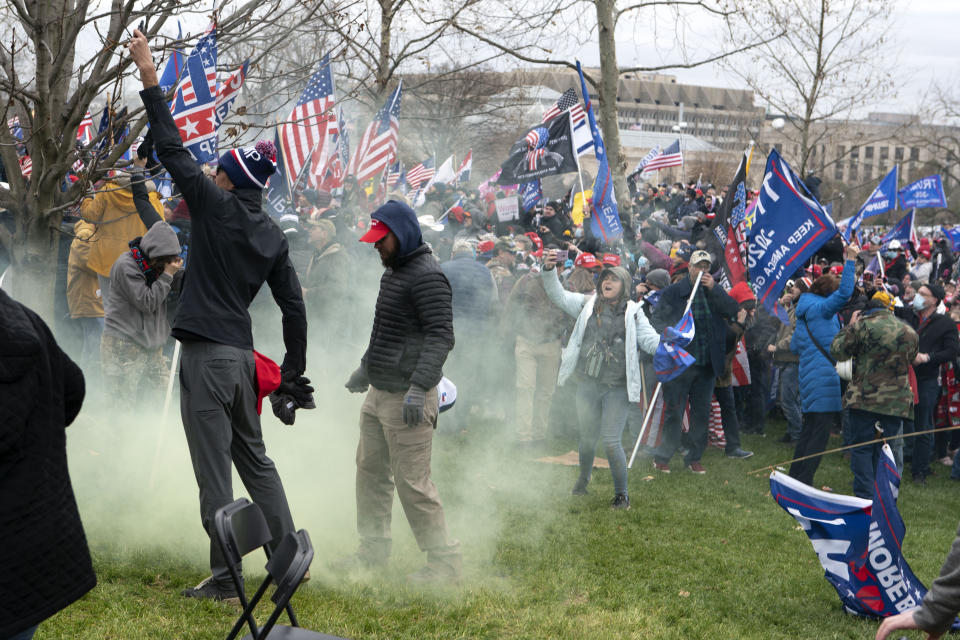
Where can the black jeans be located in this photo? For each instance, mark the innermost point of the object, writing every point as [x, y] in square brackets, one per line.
[813, 439]
[696, 385]
[728, 415]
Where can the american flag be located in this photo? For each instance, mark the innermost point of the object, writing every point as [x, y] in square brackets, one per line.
[206, 53]
[333, 173]
[671, 157]
[26, 166]
[645, 160]
[378, 146]
[313, 120]
[394, 173]
[85, 130]
[421, 174]
[568, 100]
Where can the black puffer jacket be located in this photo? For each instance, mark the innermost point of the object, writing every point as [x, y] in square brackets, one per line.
[44, 558]
[413, 324]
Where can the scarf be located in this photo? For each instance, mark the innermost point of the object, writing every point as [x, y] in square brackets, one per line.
[141, 259]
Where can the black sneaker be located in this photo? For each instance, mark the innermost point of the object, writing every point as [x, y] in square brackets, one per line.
[210, 590]
[620, 501]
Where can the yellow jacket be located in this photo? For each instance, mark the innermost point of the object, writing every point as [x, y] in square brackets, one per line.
[83, 289]
[117, 223]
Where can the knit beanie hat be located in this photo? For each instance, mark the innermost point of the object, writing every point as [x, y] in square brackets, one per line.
[250, 167]
[659, 278]
[937, 291]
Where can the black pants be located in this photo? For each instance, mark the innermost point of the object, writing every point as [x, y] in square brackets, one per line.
[218, 407]
[813, 439]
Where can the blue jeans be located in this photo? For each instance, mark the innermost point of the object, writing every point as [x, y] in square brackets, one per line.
[928, 390]
[602, 410]
[696, 385]
[728, 416]
[790, 398]
[863, 460]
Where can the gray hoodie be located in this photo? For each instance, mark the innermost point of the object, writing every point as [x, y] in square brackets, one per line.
[132, 309]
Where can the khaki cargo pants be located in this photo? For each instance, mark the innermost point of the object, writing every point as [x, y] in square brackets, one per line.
[125, 363]
[391, 454]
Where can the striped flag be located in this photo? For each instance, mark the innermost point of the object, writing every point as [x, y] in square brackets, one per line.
[194, 102]
[582, 137]
[378, 146]
[394, 173]
[310, 124]
[671, 157]
[15, 129]
[85, 130]
[26, 166]
[229, 91]
[421, 174]
[645, 160]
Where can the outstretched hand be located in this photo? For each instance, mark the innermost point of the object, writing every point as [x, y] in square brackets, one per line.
[143, 58]
[901, 621]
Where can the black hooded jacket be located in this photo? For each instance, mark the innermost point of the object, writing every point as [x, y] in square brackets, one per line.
[413, 323]
[235, 249]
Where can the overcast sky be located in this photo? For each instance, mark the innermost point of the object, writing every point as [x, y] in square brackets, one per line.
[925, 33]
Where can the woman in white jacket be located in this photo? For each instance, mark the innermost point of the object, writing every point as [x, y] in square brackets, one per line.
[603, 352]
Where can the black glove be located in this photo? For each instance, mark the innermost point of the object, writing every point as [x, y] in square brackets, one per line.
[358, 382]
[284, 407]
[413, 405]
[297, 387]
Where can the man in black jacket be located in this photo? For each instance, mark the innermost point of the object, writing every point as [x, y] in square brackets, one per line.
[938, 344]
[712, 307]
[411, 337]
[235, 248]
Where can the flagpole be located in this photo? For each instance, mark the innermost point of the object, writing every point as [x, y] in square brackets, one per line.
[657, 390]
[583, 196]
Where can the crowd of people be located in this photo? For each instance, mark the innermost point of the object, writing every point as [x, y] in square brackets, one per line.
[535, 320]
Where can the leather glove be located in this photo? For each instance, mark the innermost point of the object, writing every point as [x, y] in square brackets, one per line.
[284, 407]
[297, 387]
[358, 382]
[413, 405]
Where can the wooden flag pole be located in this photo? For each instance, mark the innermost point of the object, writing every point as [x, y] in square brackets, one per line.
[166, 411]
[657, 390]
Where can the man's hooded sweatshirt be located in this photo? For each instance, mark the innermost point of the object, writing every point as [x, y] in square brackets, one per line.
[413, 324]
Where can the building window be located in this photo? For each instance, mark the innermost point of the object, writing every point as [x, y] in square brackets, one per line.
[868, 153]
[778, 146]
[914, 154]
[898, 155]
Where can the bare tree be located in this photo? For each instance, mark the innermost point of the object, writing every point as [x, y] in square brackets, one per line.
[522, 30]
[834, 57]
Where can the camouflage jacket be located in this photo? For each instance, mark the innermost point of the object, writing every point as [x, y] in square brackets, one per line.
[882, 348]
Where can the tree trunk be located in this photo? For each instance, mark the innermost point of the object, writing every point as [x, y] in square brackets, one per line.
[33, 271]
[607, 90]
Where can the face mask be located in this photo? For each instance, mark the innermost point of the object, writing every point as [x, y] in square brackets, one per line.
[918, 302]
[889, 254]
[578, 232]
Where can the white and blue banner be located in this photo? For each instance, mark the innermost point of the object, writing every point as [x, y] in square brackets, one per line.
[787, 226]
[883, 199]
[953, 235]
[857, 541]
[925, 193]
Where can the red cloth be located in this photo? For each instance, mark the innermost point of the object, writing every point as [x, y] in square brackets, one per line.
[268, 377]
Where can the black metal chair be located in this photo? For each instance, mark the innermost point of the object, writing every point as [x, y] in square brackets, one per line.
[241, 528]
[285, 568]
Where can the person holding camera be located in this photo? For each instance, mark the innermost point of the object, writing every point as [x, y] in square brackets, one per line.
[603, 352]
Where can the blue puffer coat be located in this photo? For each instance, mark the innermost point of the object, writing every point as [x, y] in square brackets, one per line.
[819, 382]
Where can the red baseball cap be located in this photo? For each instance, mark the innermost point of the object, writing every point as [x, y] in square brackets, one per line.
[611, 259]
[586, 260]
[537, 243]
[486, 246]
[378, 229]
[268, 377]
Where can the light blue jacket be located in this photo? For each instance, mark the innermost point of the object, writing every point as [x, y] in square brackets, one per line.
[639, 333]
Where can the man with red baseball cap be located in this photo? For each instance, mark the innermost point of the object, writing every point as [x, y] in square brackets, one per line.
[412, 335]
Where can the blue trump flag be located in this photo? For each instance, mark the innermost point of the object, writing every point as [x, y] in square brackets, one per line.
[902, 231]
[671, 359]
[277, 196]
[530, 194]
[882, 199]
[857, 541]
[953, 235]
[924, 193]
[788, 226]
[605, 221]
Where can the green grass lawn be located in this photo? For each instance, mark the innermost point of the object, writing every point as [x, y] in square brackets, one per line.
[696, 557]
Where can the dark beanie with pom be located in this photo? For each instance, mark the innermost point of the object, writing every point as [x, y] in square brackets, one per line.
[250, 167]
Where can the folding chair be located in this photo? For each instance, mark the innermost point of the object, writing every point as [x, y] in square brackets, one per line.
[241, 528]
[286, 567]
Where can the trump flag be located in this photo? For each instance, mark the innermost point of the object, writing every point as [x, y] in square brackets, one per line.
[857, 541]
[671, 359]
